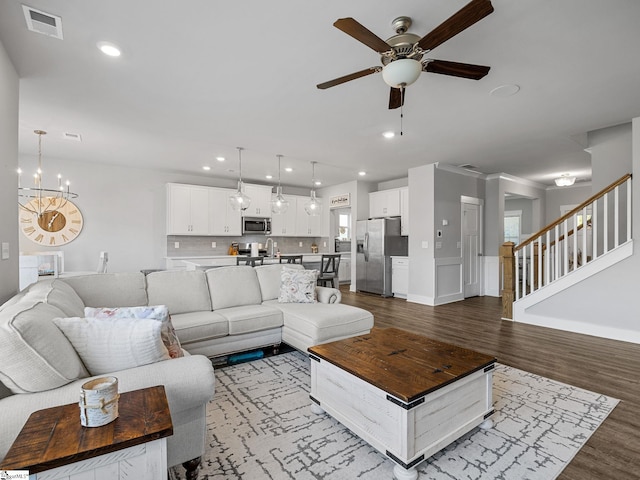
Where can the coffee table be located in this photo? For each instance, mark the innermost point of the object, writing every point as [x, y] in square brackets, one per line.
[54, 445]
[406, 395]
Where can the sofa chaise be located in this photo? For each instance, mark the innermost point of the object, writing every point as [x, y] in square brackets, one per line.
[218, 312]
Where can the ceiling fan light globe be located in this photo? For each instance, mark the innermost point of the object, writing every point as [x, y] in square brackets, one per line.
[401, 73]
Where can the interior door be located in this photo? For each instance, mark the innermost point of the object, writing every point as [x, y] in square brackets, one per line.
[471, 248]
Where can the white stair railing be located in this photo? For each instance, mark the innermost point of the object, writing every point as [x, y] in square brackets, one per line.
[595, 227]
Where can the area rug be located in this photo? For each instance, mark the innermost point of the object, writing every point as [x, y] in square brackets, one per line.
[260, 426]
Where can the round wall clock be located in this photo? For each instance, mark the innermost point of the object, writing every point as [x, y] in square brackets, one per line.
[58, 226]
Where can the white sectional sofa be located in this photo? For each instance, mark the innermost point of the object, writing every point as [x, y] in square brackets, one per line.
[217, 312]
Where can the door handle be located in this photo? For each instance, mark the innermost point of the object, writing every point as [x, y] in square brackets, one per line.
[366, 247]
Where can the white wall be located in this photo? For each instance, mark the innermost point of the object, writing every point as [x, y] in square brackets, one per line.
[559, 196]
[9, 88]
[606, 304]
[421, 213]
[610, 155]
[124, 214]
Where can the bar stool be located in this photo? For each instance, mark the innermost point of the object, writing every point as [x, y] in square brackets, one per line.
[291, 259]
[251, 261]
[329, 265]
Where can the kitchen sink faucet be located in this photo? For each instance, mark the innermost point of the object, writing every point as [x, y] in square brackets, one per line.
[266, 246]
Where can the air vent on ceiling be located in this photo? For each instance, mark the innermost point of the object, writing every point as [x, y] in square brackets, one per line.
[72, 136]
[42, 22]
[468, 166]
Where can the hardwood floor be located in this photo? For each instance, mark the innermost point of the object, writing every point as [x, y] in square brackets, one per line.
[600, 365]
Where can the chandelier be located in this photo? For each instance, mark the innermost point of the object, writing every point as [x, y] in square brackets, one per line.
[38, 199]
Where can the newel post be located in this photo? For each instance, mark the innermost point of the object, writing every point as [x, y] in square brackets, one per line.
[508, 279]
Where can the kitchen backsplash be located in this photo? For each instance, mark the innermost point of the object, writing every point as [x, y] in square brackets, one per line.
[192, 246]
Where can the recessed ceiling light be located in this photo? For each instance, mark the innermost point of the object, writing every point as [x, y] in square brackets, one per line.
[220, 159]
[317, 182]
[505, 90]
[206, 167]
[362, 174]
[288, 169]
[389, 134]
[268, 177]
[109, 49]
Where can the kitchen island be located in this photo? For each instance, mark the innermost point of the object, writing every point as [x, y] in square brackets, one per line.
[309, 261]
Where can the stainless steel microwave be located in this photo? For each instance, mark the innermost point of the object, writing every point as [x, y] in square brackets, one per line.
[256, 225]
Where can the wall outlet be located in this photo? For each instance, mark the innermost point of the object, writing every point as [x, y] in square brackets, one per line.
[425, 243]
[275, 244]
[214, 244]
[445, 222]
[5, 250]
[324, 244]
[438, 244]
[176, 244]
[300, 244]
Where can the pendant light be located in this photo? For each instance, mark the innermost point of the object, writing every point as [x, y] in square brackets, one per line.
[239, 201]
[313, 206]
[279, 204]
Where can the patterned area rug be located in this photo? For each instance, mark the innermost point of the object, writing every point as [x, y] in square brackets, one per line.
[260, 426]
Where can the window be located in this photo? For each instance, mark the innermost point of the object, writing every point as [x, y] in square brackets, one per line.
[512, 222]
[344, 219]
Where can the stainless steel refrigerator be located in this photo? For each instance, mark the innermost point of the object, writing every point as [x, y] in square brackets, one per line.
[377, 240]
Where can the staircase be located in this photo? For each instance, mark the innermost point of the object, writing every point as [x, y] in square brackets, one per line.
[591, 237]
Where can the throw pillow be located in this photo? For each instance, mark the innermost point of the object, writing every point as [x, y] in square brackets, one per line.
[298, 286]
[122, 343]
[157, 312]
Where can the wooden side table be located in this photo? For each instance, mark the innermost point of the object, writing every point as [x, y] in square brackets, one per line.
[53, 445]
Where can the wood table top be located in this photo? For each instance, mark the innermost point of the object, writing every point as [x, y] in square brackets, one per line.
[55, 437]
[405, 365]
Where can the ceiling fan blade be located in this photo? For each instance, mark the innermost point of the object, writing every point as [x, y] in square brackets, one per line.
[362, 34]
[455, 69]
[348, 78]
[473, 12]
[396, 97]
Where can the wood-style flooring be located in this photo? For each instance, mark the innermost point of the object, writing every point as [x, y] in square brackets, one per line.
[600, 365]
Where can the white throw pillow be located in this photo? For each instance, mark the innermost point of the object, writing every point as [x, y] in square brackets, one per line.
[298, 286]
[157, 312]
[119, 344]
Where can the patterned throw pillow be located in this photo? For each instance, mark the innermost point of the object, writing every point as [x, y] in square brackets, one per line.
[298, 286]
[158, 312]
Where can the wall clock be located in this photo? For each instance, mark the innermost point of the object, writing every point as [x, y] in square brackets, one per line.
[58, 226]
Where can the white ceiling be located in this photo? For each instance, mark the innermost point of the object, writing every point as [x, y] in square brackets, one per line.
[199, 77]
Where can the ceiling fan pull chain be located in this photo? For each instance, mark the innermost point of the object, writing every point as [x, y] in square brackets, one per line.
[401, 107]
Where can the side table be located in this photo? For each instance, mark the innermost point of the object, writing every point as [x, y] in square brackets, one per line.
[53, 445]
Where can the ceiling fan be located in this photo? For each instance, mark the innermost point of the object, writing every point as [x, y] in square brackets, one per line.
[402, 54]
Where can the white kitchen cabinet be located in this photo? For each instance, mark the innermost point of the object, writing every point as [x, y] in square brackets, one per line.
[260, 196]
[284, 224]
[224, 220]
[404, 211]
[187, 209]
[400, 276]
[344, 270]
[385, 203]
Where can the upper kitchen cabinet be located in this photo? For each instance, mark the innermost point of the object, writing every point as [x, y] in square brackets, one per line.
[404, 211]
[187, 209]
[385, 203]
[260, 196]
[284, 224]
[224, 219]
